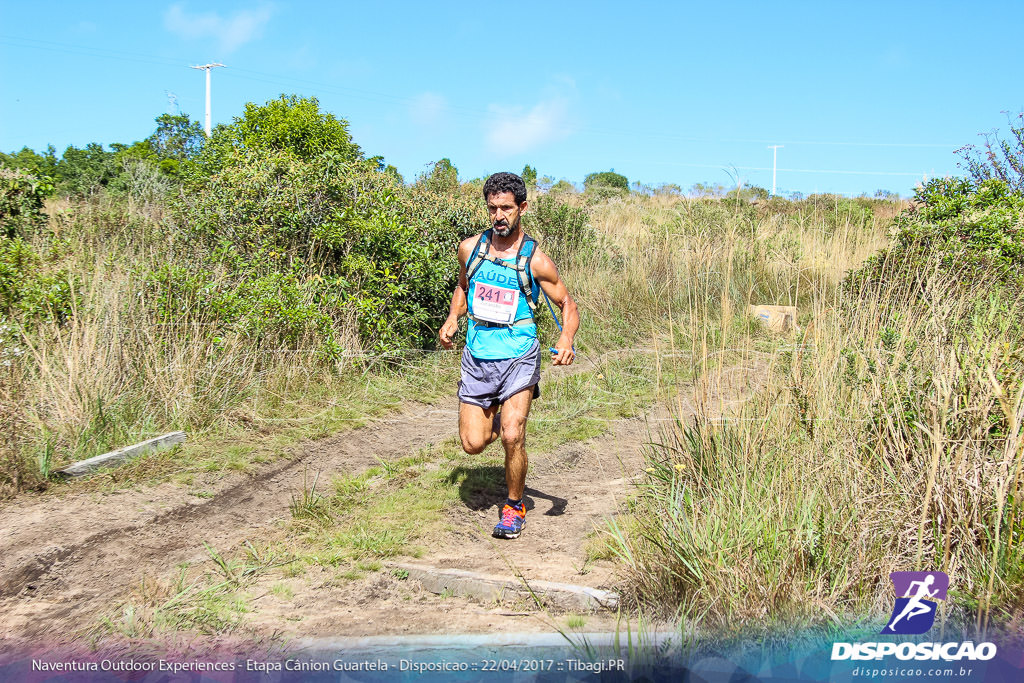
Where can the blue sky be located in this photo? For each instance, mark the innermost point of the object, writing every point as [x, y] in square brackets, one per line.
[862, 96]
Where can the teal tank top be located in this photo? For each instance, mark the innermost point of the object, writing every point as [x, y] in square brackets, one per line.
[493, 283]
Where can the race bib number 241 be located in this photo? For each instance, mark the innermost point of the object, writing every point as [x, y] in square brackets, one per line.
[495, 304]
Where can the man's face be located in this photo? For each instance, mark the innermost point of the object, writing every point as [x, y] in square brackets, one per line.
[505, 213]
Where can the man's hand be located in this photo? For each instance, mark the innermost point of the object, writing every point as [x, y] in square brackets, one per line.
[564, 354]
[448, 330]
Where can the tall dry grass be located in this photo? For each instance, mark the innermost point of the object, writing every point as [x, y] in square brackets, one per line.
[112, 371]
[885, 436]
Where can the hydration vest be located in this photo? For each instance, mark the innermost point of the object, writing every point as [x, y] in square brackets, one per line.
[522, 267]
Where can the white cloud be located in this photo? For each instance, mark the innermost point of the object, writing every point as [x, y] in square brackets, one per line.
[513, 132]
[427, 109]
[230, 32]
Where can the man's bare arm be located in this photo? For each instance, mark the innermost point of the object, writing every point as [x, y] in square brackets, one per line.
[546, 274]
[459, 305]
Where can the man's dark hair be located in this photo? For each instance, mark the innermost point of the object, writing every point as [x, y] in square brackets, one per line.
[505, 182]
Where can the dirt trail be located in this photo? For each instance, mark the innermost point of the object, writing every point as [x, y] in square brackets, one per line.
[66, 561]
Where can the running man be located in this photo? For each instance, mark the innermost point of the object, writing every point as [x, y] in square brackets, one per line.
[501, 273]
[915, 605]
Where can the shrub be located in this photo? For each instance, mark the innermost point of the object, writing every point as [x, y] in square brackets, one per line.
[971, 231]
[529, 176]
[365, 247]
[21, 201]
[28, 293]
[562, 187]
[31, 162]
[999, 159]
[747, 193]
[81, 171]
[290, 124]
[606, 180]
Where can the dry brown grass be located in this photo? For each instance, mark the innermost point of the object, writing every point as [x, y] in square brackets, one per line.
[888, 435]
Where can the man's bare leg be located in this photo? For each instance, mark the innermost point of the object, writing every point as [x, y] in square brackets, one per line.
[514, 412]
[477, 427]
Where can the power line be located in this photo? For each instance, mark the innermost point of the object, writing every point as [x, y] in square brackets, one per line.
[69, 48]
[657, 162]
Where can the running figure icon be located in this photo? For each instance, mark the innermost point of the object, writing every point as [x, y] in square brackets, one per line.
[915, 606]
[916, 603]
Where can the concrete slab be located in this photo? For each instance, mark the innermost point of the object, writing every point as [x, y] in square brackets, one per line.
[489, 588]
[90, 465]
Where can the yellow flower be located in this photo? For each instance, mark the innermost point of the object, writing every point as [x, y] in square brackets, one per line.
[680, 466]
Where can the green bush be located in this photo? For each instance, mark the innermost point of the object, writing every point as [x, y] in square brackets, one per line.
[747, 193]
[289, 124]
[274, 309]
[21, 201]
[34, 164]
[362, 246]
[26, 291]
[81, 171]
[529, 176]
[605, 181]
[969, 232]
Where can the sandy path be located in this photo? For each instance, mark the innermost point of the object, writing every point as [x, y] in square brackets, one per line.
[63, 560]
[66, 561]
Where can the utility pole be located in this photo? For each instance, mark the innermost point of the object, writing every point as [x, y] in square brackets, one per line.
[775, 158]
[207, 67]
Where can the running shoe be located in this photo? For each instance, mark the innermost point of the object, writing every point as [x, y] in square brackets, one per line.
[512, 521]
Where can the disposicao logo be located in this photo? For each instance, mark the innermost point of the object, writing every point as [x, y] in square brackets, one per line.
[917, 594]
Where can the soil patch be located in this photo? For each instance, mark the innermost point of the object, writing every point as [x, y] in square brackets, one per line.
[65, 561]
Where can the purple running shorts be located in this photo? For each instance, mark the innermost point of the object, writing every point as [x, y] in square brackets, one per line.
[486, 382]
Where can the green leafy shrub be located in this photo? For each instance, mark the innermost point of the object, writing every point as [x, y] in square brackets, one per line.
[606, 179]
[529, 176]
[283, 189]
[563, 186]
[965, 232]
[85, 170]
[31, 162]
[747, 193]
[21, 201]
[26, 291]
[290, 124]
[360, 246]
[274, 309]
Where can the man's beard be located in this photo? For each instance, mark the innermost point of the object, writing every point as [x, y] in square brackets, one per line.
[504, 230]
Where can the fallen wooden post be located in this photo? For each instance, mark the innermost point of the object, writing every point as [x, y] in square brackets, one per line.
[121, 454]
